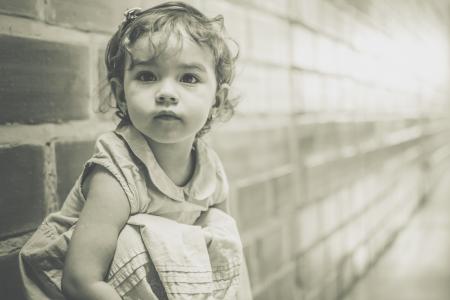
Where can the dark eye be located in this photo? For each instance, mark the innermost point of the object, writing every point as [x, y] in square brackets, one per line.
[145, 76]
[189, 78]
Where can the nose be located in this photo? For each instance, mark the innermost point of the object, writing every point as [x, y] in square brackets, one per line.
[166, 94]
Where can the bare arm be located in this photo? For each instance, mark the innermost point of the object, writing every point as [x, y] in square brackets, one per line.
[95, 237]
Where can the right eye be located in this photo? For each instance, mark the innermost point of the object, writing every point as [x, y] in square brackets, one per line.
[145, 76]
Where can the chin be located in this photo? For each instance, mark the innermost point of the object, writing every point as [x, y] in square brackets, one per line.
[171, 139]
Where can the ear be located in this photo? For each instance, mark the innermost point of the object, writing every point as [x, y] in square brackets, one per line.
[119, 94]
[221, 95]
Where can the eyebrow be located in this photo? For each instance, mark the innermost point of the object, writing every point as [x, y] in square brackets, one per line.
[136, 62]
[198, 66]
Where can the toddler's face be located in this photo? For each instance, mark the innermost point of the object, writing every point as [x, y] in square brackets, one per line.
[168, 98]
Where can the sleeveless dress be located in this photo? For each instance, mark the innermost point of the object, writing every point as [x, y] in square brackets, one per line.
[155, 201]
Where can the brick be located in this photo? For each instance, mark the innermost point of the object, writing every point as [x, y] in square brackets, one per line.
[352, 100]
[283, 188]
[282, 288]
[43, 81]
[311, 269]
[361, 260]
[306, 11]
[327, 139]
[70, 159]
[268, 145]
[318, 182]
[278, 90]
[350, 237]
[327, 55]
[264, 89]
[22, 202]
[304, 48]
[97, 15]
[236, 22]
[285, 287]
[269, 39]
[290, 235]
[376, 245]
[26, 8]
[346, 276]
[10, 282]
[253, 206]
[347, 133]
[330, 21]
[306, 134]
[329, 290]
[251, 85]
[271, 253]
[253, 264]
[308, 226]
[280, 7]
[332, 93]
[365, 131]
[334, 249]
[307, 92]
[343, 171]
[297, 92]
[357, 192]
[100, 15]
[266, 294]
[329, 214]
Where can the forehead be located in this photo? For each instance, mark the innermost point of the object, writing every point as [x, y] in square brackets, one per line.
[160, 49]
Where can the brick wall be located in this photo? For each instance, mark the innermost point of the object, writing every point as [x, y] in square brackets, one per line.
[341, 133]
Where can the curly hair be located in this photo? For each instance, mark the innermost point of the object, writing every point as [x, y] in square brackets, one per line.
[171, 19]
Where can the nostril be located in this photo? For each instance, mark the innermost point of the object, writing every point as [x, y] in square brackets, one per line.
[160, 99]
[166, 99]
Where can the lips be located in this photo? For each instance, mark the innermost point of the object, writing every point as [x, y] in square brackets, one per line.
[167, 115]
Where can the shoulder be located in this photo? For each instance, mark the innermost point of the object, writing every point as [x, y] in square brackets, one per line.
[104, 195]
[112, 154]
[221, 192]
[113, 168]
[112, 151]
[211, 155]
[99, 178]
[110, 142]
[213, 158]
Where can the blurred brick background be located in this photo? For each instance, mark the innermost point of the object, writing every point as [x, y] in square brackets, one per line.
[341, 134]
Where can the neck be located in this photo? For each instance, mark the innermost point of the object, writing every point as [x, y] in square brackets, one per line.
[177, 159]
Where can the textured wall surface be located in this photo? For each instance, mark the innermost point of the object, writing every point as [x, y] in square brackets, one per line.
[341, 132]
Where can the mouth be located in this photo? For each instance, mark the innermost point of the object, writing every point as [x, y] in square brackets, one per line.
[167, 116]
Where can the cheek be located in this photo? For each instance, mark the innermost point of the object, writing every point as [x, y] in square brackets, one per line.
[139, 96]
[204, 103]
[209, 94]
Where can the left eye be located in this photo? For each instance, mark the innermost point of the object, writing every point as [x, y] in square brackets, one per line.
[189, 78]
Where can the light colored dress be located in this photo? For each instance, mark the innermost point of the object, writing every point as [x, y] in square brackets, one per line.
[160, 211]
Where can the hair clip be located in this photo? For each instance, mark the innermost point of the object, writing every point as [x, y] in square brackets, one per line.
[131, 14]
